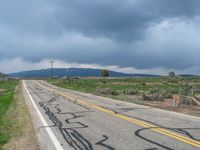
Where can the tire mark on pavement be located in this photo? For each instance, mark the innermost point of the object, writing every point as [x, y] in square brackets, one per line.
[103, 144]
[137, 133]
[71, 136]
[177, 130]
[74, 116]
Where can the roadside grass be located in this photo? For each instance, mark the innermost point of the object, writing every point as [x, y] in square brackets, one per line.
[14, 118]
[6, 101]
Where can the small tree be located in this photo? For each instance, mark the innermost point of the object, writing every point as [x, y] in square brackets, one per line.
[172, 74]
[105, 73]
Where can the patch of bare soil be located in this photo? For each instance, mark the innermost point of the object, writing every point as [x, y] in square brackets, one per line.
[120, 83]
[190, 110]
[167, 105]
[23, 135]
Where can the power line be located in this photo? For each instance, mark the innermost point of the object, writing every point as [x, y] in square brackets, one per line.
[51, 62]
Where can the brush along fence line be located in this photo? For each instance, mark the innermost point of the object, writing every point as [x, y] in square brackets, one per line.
[188, 100]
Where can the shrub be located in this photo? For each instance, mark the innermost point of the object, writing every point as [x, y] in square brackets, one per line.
[154, 90]
[104, 91]
[65, 79]
[115, 93]
[167, 95]
[104, 81]
[131, 92]
[142, 83]
[153, 97]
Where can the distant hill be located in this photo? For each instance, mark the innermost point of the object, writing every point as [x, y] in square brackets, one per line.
[74, 72]
[2, 75]
[187, 75]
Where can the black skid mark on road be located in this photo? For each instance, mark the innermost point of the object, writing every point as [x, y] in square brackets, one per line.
[101, 142]
[74, 116]
[71, 136]
[123, 109]
[73, 101]
[76, 140]
[78, 112]
[49, 102]
[76, 102]
[58, 109]
[182, 131]
[53, 99]
[56, 106]
[177, 130]
[137, 133]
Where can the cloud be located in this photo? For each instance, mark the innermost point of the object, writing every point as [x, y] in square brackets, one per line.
[17, 64]
[120, 19]
[171, 43]
[132, 34]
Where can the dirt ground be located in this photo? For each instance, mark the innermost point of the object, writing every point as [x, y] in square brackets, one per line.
[167, 104]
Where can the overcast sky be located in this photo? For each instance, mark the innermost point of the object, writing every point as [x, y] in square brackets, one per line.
[134, 36]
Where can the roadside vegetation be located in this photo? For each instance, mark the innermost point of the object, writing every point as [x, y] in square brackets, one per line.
[145, 91]
[14, 117]
[6, 101]
[164, 86]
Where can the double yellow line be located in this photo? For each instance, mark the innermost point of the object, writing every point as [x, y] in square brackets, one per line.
[132, 120]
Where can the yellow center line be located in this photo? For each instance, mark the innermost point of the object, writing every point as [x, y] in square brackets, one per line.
[132, 120]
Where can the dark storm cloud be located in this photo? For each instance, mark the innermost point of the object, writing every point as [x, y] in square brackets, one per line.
[140, 33]
[121, 19]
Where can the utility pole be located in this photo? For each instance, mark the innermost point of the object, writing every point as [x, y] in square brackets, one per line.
[51, 62]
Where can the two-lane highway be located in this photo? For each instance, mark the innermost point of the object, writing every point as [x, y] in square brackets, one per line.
[66, 119]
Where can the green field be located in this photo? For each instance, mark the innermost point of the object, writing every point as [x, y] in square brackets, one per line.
[164, 86]
[6, 103]
[154, 92]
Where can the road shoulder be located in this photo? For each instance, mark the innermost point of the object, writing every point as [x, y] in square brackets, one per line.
[25, 137]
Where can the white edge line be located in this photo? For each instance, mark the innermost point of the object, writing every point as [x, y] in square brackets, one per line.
[49, 131]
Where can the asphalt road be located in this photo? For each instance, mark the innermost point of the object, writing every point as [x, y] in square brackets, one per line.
[66, 119]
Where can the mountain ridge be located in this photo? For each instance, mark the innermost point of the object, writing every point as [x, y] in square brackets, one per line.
[74, 72]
